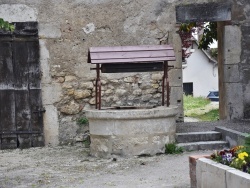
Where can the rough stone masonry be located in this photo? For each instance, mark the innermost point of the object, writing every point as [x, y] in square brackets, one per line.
[68, 28]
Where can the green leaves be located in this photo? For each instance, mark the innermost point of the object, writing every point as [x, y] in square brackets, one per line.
[83, 121]
[187, 27]
[172, 148]
[6, 25]
[209, 34]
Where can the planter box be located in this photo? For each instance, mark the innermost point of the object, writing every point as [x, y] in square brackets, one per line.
[210, 174]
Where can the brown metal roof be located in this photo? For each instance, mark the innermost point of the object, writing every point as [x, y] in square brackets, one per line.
[131, 54]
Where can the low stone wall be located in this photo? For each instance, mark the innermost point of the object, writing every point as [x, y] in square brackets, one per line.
[206, 173]
[234, 138]
[131, 132]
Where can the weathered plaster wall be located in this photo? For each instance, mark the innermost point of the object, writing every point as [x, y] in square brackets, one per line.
[68, 28]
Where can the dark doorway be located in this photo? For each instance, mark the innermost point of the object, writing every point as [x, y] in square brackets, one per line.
[188, 88]
[21, 118]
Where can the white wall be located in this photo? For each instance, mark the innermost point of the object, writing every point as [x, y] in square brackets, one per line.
[201, 72]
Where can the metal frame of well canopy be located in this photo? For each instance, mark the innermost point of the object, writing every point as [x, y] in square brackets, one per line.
[121, 59]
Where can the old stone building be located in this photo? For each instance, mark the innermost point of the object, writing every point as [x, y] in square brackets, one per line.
[68, 28]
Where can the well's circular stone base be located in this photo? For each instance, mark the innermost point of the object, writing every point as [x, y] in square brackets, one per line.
[131, 132]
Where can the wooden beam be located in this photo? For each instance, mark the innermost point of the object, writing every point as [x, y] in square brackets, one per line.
[222, 90]
[208, 12]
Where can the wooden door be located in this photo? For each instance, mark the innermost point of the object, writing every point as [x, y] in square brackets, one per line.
[21, 117]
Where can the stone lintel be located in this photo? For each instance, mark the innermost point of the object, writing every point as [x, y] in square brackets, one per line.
[212, 12]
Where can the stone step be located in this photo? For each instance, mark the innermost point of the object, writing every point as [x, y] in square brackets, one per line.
[207, 145]
[198, 136]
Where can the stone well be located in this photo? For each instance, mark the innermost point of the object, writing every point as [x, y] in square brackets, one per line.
[131, 132]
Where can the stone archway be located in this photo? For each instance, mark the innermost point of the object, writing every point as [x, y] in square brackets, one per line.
[232, 61]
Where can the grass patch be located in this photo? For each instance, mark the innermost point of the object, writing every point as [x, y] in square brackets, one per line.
[212, 115]
[197, 107]
[191, 102]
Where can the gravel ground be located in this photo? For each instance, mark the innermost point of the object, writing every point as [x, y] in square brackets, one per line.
[72, 166]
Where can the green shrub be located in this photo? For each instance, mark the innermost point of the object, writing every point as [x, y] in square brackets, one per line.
[172, 148]
[82, 121]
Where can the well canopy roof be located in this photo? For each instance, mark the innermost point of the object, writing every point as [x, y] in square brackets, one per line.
[131, 54]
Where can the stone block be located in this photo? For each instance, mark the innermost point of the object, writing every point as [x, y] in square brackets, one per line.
[146, 97]
[176, 96]
[49, 30]
[18, 13]
[44, 58]
[232, 43]
[70, 78]
[203, 12]
[175, 77]
[157, 76]
[245, 55]
[51, 125]
[210, 174]
[87, 85]
[140, 145]
[67, 86]
[192, 169]
[100, 146]
[129, 79]
[155, 86]
[92, 101]
[237, 178]
[137, 92]
[132, 126]
[59, 79]
[120, 92]
[233, 137]
[234, 100]
[238, 13]
[245, 73]
[178, 52]
[149, 91]
[51, 93]
[70, 91]
[197, 136]
[231, 74]
[82, 94]
[71, 108]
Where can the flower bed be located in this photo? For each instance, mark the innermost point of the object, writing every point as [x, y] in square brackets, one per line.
[237, 157]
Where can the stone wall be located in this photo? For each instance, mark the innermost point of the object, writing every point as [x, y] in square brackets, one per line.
[241, 18]
[68, 28]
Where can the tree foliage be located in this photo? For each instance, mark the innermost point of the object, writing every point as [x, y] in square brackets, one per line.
[6, 25]
[209, 35]
[186, 31]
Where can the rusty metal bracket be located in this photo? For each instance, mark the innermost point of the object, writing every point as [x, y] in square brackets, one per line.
[39, 111]
[20, 132]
